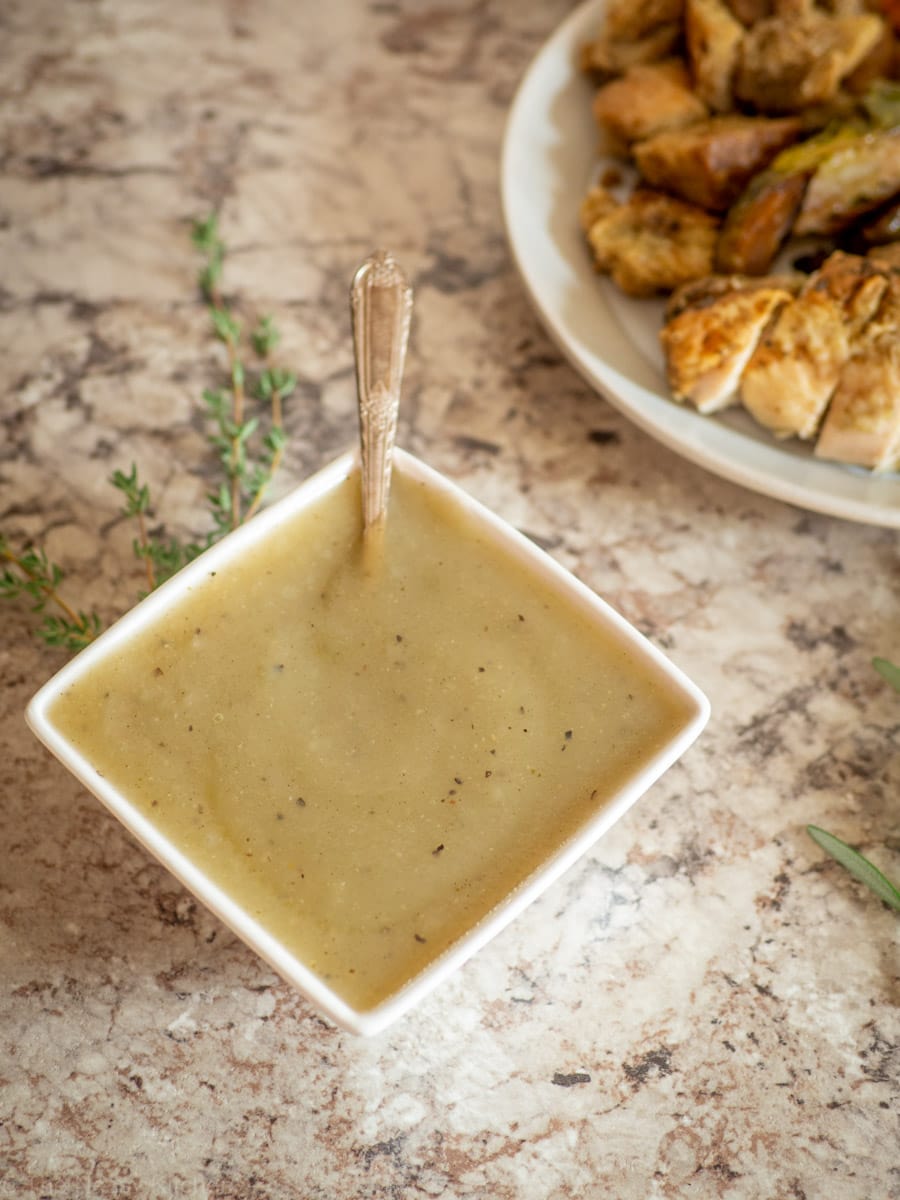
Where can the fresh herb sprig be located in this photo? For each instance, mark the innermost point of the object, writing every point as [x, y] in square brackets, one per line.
[248, 478]
[162, 556]
[250, 450]
[854, 862]
[30, 573]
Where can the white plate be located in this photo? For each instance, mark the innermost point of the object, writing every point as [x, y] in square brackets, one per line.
[549, 160]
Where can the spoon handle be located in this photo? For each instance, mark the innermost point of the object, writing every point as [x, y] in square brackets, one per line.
[381, 305]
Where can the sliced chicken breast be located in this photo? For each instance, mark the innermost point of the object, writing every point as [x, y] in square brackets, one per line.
[798, 362]
[711, 334]
[863, 421]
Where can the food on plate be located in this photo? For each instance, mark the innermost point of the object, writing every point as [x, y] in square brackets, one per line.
[850, 183]
[863, 421]
[762, 218]
[713, 39]
[762, 122]
[368, 756]
[796, 366]
[712, 328]
[635, 31]
[787, 63]
[883, 227]
[647, 99]
[649, 243]
[760, 222]
[709, 163]
[888, 255]
[821, 360]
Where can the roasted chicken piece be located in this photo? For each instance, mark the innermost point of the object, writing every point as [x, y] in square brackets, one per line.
[798, 362]
[852, 181]
[789, 63]
[710, 162]
[712, 329]
[651, 243]
[646, 100]
[713, 38]
[863, 421]
[634, 31]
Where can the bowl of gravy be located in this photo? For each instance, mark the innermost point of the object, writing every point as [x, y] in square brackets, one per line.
[368, 761]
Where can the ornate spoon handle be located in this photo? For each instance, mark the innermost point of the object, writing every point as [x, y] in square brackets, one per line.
[381, 305]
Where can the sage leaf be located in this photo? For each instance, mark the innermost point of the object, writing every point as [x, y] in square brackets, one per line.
[858, 866]
[888, 671]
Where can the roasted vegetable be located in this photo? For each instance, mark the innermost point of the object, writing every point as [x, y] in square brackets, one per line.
[762, 218]
[711, 162]
[852, 181]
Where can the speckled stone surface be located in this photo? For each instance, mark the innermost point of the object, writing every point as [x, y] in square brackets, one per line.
[702, 1007]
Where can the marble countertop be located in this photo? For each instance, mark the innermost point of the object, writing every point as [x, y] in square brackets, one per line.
[703, 1006]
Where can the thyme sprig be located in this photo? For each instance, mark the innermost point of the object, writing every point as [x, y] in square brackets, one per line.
[250, 449]
[248, 480]
[31, 573]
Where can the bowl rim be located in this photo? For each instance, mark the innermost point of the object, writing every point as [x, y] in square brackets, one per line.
[368, 1021]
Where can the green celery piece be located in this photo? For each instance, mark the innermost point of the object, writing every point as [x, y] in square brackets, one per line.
[858, 866]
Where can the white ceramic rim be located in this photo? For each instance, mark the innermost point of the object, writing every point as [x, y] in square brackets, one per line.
[370, 1021]
[549, 157]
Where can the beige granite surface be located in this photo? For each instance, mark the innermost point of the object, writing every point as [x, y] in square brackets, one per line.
[702, 1007]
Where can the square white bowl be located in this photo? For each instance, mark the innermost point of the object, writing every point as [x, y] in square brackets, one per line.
[215, 897]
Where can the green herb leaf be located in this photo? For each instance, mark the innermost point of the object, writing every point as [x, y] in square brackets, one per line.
[137, 495]
[265, 336]
[888, 671]
[858, 866]
[226, 327]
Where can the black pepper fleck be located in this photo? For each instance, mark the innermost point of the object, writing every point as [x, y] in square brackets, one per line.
[419, 938]
[436, 851]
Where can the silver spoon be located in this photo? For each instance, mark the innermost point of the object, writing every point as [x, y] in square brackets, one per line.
[381, 306]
